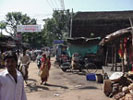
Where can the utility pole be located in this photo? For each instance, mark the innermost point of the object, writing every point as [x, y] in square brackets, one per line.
[71, 23]
[62, 4]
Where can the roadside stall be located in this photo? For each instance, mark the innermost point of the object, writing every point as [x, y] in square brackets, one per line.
[118, 64]
[84, 47]
[61, 49]
[118, 49]
[88, 53]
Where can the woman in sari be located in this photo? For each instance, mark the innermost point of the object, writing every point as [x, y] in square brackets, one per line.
[44, 69]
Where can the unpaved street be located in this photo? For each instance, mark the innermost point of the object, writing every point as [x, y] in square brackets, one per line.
[62, 86]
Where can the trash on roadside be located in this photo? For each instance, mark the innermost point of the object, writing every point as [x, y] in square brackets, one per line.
[56, 94]
[119, 86]
[78, 86]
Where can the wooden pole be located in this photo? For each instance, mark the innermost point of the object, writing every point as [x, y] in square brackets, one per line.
[106, 59]
[131, 30]
[123, 66]
[71, 24]
[115, 59]
[112, 69]
[132, 36]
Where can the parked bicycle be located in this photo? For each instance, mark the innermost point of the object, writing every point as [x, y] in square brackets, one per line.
[90, 66]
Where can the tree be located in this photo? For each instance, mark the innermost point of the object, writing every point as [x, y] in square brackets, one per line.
[2, 26]
[57, 27]
[34, 39]
[62, 19]
[17, 18]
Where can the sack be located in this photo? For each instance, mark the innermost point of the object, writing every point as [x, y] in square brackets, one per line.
[107, 87]
[116, 76]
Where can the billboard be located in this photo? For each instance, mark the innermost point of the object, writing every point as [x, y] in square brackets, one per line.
[28, 28]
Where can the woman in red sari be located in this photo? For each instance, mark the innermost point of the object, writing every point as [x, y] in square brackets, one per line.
[44, 69]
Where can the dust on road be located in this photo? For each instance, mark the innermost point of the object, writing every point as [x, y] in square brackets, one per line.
[62, 86]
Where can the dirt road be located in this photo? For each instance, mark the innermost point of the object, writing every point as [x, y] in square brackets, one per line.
[62, 86]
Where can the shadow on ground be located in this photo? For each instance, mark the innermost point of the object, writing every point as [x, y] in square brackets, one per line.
[52, 85]
[88, 87]
[79, 73]
[32, 80]
[30, 87]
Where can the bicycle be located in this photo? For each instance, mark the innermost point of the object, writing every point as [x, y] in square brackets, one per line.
[90, 66]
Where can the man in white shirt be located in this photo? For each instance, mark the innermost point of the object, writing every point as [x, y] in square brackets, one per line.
[24, 58]
[47, 52]
[24, 64]
[11, 80]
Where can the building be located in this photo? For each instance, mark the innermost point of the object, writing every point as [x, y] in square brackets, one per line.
[95, 24]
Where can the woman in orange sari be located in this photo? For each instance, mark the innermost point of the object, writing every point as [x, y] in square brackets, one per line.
[44, 69]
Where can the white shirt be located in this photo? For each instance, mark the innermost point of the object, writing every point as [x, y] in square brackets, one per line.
[24, 59]
[9, 89]
[47, 53]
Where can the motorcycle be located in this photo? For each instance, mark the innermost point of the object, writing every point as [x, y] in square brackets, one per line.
[66, 65]
[39, 63]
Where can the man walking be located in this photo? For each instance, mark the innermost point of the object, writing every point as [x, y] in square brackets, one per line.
[24, 64]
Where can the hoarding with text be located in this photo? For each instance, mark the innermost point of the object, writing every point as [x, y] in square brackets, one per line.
[28, 28]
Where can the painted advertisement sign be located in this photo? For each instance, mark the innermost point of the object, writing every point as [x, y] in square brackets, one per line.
[28, 28]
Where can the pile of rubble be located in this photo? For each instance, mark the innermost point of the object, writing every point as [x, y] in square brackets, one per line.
[119, 86]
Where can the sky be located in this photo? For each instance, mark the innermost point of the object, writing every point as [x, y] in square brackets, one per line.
[41, 9]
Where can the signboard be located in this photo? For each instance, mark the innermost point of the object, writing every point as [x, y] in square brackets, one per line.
[28, 28]
[58, 41]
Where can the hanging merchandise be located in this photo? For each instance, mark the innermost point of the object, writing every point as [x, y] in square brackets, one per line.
[120, 51]
[125, 51]
[125, 43]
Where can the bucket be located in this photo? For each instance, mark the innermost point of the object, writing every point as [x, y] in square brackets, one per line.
[91, 77]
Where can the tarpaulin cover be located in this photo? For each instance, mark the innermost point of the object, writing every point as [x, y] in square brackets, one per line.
[82, 50]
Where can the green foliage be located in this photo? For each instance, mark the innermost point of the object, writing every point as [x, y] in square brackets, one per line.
[34, 39]
[17, 18]
[2, 26]
[57, 27]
